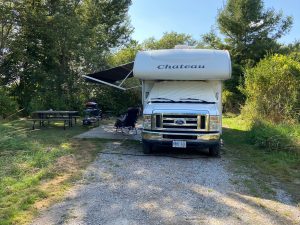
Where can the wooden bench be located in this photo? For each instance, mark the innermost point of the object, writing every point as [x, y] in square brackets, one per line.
[66, 120]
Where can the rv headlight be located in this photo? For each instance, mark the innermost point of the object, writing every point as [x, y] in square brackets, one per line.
[214, 123]
[147, 122]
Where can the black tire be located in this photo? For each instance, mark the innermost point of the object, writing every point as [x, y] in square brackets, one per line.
[214, 150]
[147, 148]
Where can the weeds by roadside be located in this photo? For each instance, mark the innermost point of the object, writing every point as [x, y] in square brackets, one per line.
[279, 137]
[37, 167]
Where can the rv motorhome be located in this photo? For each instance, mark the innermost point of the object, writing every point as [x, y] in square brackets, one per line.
[181, 94]
[182, 97]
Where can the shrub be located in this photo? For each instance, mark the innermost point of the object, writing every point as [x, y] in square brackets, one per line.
[8, 105]
[47, 101]
[51, 100]
[272, 89]
[275, 137]
[118, 101]
[230, 101]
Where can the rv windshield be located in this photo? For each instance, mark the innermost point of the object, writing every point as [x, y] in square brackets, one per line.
[192, 92]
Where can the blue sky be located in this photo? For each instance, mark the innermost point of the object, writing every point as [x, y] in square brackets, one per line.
[151, 18]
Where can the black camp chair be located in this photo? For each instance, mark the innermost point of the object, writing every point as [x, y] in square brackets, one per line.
[128, 120]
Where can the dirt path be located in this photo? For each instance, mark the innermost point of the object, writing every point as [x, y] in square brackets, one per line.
[126, 189]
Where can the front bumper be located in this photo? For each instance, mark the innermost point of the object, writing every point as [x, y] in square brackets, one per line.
[163, 138]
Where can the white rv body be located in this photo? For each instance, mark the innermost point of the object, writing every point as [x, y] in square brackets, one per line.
[182, 96]
[182, 64]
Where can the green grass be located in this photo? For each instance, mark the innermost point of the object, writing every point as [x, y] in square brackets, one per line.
[279, 137]
[38, 166]
[263, 164]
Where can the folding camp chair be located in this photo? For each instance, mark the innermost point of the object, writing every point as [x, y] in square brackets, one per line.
[127, 121]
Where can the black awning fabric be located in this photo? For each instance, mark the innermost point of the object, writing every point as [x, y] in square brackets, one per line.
[112, 75]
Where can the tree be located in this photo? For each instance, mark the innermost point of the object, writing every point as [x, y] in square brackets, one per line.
[8, 105]
[7, 26]
[55, 42]
[125, 55]
[211, 40]
[292, 49]
[169, 40]
[250, 30]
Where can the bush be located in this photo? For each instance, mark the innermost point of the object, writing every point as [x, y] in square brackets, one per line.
[275, 137]
[118, 101]
[272, 89]
[231, 102]
[8, 105]
[51, 100]
[46, 101]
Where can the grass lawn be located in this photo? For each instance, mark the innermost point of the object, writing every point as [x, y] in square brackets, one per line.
[38, 166]
[264, 166]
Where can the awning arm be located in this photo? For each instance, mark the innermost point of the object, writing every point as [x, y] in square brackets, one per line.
[125, 78]
[103, 82]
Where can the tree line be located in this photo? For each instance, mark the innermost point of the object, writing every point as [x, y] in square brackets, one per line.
[46, 45]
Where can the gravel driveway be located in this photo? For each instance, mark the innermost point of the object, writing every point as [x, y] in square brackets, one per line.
[124, 189]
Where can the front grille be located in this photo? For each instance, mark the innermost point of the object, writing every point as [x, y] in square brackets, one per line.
[179, 122]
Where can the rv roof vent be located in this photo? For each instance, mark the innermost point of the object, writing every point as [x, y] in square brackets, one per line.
[184, 47]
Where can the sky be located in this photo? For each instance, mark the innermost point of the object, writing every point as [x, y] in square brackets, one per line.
[151, 18]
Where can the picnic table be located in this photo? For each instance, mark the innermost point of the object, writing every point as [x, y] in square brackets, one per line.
[51, 115]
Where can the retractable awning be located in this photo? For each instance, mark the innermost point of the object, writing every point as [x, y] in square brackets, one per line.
[110, 76]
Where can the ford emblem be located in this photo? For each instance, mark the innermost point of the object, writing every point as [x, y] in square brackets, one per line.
[180, 121]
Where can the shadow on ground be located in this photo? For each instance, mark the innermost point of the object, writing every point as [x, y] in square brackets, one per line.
[123, 186]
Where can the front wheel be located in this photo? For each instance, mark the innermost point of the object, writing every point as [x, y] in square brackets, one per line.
[147, 148]
[214, 150]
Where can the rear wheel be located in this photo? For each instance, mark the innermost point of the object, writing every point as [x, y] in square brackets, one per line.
[214, 150]
[147, 148]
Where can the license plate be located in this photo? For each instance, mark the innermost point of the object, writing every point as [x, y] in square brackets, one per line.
[179, 144]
